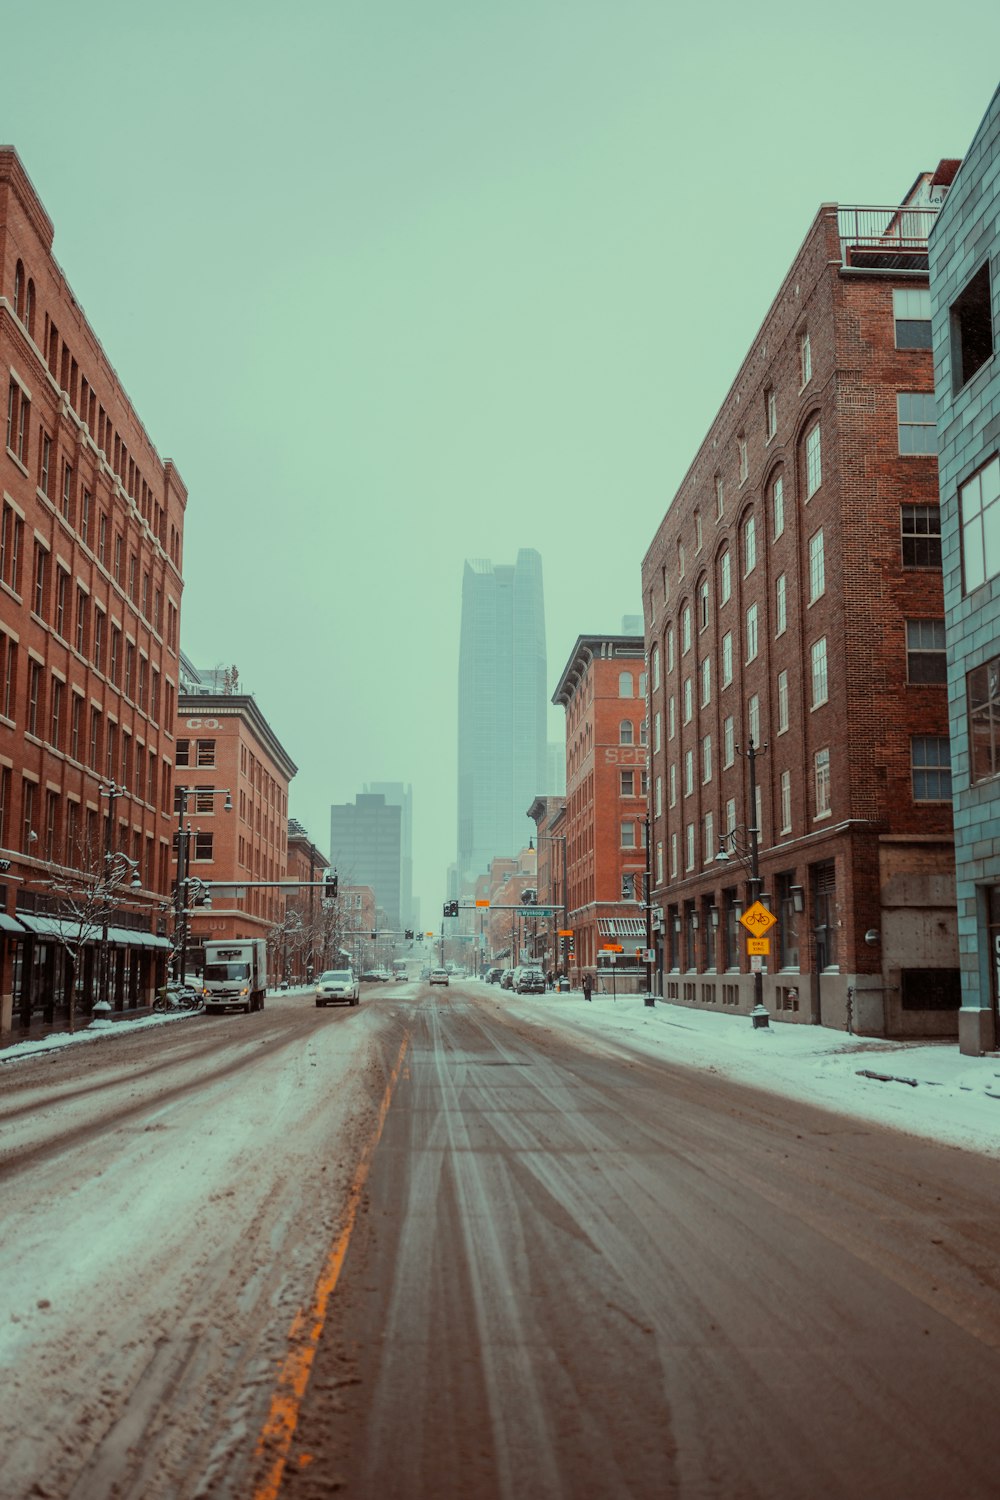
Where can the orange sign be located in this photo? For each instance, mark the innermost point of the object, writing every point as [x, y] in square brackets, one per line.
[758, 919]
[482, 903]
[612, 948]
[761, 946]
[565, 932]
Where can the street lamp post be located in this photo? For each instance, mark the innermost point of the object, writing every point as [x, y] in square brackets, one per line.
[181, 886]
[749, 858]
[116, 863]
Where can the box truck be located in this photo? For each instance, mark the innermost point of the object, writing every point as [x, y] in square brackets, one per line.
[235, 974]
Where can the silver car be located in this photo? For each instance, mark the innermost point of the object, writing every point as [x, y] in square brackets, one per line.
[338, 987]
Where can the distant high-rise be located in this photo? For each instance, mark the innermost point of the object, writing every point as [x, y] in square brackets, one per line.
[502, 704]
[365, 845]
[399, 795]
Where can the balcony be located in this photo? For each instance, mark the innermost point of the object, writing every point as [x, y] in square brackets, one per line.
[881, 240]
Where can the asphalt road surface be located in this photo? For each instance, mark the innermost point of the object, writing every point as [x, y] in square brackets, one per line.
[428, 1248]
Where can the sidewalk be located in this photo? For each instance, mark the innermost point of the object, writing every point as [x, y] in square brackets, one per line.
[923, 1088]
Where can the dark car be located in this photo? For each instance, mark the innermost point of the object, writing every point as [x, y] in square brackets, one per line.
[493, 975]
[530, 982]
[507, 979]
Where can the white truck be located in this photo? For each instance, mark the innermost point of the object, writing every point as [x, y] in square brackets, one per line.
[235, 974]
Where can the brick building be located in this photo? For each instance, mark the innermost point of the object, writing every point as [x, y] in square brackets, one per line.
[303, 943]
[224, 743]
[965, 295]
[90, 589]
[793, 606]
[549, 817]
[602, 689]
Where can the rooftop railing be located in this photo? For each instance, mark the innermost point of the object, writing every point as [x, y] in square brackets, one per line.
[885, 239]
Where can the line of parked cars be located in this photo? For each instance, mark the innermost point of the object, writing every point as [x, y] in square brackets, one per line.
[526, 979]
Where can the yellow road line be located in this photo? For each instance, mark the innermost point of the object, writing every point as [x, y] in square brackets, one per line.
[307, 1325]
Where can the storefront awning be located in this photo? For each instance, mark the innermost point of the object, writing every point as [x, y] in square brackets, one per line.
[56, 927]
[618, 927]
[9, 924]
[128, 937]
[45, 926]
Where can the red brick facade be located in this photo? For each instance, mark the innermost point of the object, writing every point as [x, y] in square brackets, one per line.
[791, 599]
[90, 590]
[602, 689]
[224, 742]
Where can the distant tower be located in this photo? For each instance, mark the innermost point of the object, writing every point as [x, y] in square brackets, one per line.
[399, 795]
[365, 844]
[502, 703]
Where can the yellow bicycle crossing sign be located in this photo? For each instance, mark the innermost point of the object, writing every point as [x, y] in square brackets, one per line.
[758, 920]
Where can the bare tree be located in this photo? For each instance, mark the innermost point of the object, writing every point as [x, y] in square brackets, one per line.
[86, 901]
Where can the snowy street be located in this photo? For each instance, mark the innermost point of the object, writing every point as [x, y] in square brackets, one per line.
[456, 1242]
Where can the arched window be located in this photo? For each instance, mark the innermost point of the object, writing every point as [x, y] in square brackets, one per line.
[725, 577]
[702, 598]
[749, 543]
[643, 735]
[29, 308]
[626, 685]
[685, 629]
[18, 289]
[626, 732]
[654, 662]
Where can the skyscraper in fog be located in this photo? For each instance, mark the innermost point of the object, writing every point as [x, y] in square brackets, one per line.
[366, 845]
[502, 702]
[399, 795]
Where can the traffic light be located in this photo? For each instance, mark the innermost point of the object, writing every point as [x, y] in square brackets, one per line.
[529, 897]
[330, 885]
[451, 908]
[408, 934]
[374, 937]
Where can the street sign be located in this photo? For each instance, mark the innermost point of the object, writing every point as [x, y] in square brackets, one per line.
[756, 964]
[759, 945]
[612, 948]
[758, 919]
[565, 932]
[482, 903]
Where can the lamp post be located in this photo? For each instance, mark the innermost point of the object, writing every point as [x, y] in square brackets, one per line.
[556, 838]
[181, 795]
[116, 864]
[749, 858]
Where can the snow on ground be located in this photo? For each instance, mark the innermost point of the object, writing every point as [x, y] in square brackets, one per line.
[932, 1089]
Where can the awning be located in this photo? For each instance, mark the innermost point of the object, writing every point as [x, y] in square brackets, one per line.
[621, 926]
[129, 937]
[8, 924]
[54, 927]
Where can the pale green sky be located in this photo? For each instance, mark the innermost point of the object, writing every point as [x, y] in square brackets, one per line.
[397, 284]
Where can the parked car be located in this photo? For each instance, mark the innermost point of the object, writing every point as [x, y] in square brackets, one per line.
[439, 976]
[493, 975]
[337, 987]
[530, 982]
[507, 979]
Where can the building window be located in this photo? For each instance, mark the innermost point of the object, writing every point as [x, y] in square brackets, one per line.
[720, 496]
[728, 740]
[817, 566]
[626, 685]
[770, 412]
[680, 558]
[206, 753]
[727, 658]
[753, 723]
[658, 797]
[782, 702]
[669, 641]
[805, 358]
[925, 651]
[203, 846]
[817, 658]
[749, 545]
[706, 758]
[643, 732]
[628, 835]
[626, 783]
[706, 681]
[702, 604]
[982, 687]
[685, 629]
[697, 531]
[751, 633]
[672, 784]
[659, 862]
[626, 732]
[41, 573]
[971, 319]
[658, 730]
[689, 847]
[916, 422]
[780, 604]
[814, 461]
[34, 697]
[741, 448]
[655, 667]
[708, 844]
[821, 782]
[920, 527]
[979, 514]
[930, 759]
[785, 799]
[688, 772]
[725, 578]
[671, 718]
[778, 506]
[687, 707]
[911, 313]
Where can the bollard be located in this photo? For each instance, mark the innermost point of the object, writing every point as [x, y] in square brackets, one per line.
[102, 1016]
[759, 1016]
[650, 1000]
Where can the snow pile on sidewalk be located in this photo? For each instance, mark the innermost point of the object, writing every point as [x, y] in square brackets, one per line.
[924, 1088]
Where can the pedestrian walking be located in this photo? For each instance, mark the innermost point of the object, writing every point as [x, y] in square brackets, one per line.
[588, 986]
